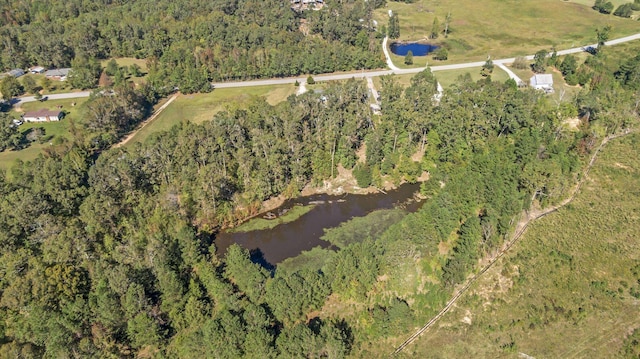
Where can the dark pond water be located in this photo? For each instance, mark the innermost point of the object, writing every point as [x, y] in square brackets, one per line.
[418, 49]
[290, 239]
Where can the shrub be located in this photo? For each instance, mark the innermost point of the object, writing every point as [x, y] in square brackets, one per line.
[362, 173]
[408, 59]
[603, 7]
[441, 54]
[310, 80]
[520, 63]
[624, 10]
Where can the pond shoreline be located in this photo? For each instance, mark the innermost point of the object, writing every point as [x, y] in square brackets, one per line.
[286, 240]
[343, 184]
[417, 48]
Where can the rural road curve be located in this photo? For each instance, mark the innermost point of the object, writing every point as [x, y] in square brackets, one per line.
[387, 56]
[345, 76]
[512, 76]
[359, 75]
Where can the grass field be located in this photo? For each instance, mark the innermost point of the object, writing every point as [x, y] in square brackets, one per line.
[521, 28]
[55, 85]
[568, 288]
[201, 107]
[127, 61]
[447, 78]
[54, 131]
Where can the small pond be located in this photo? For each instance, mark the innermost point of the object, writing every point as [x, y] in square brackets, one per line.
[418, 49]
[290, 239]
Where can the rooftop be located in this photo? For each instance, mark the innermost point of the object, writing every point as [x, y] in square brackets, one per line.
[58, 72]
[42, 113]
[542, 79]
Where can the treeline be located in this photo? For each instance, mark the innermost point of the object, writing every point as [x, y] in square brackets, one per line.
[192, 41]
[111, 252]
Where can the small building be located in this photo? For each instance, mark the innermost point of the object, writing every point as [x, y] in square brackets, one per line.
[58, 74]
[43, 116]
[542, 82]
[16, 72]
[37, 70]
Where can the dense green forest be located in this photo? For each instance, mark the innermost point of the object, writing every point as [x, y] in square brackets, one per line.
[189, 43]
[111, 252]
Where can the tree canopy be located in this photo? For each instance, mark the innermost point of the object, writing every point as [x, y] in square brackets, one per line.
[111, 252]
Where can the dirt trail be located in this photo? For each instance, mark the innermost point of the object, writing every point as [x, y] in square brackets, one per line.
[145, 122]
[521, 227]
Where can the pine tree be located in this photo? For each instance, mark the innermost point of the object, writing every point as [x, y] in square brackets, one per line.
[435, 28]
[408, 59]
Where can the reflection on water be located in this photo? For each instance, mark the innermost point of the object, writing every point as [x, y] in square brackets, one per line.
[417, 49]
[290, 239]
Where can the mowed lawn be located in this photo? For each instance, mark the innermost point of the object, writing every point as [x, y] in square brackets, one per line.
[566, 289]
[202, 107]
[502, 28]
[450, 77]
[53, 131]
[446, 78]
[127, 61]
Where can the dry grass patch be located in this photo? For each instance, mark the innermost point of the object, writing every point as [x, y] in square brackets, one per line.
[566, 288]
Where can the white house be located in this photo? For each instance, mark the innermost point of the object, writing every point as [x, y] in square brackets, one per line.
[37, 70]
[42, 116]
[542, 82]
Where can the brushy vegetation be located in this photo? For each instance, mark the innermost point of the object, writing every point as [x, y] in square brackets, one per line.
[258, 224]
[569, 287]
[313, 260]
[362, 228]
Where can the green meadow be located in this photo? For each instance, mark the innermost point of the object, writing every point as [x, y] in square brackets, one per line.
[202, 107]
[500, 28]
[54, 132]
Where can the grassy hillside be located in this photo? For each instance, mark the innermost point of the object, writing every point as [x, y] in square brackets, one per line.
[201, 107]
[569, 288]
[502, 28]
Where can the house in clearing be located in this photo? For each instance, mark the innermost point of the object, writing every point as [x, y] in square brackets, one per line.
[58, 74]
[43, 116]
[542, 82]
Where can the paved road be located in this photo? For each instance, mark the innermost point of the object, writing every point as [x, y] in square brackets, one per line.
[512, 76]
[344, 76]
[387, 56]
[359, 74]
[59, 96]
